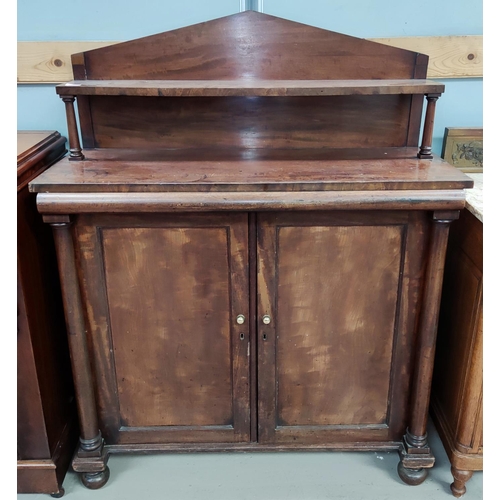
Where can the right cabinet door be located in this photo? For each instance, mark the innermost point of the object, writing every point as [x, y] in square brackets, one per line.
[338, 295]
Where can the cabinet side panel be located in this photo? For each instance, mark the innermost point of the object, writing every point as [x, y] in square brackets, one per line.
[43, 324]
[457, 327]
[336, 309]
[458, 374]
[31, 433]
[169, 306]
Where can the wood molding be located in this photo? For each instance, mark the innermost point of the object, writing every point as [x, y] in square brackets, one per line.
[449, 56]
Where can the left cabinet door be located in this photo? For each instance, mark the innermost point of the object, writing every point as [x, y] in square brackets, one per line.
[162, 294]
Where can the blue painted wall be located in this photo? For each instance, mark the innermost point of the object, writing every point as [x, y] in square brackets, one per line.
[40, 108]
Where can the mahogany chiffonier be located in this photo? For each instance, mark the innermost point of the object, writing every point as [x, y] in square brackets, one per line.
[457, 391]
[251, 243]
[47, 426]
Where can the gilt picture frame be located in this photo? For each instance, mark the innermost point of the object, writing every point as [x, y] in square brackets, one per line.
[463, 148]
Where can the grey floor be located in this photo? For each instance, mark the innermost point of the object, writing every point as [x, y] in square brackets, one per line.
[268, 476]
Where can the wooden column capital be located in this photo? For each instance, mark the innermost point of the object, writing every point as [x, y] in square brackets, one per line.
[59, 220]
[445, 216]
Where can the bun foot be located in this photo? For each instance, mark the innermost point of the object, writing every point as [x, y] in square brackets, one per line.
[95, 480]
[59, 494]
[413, 477]
[461, 477]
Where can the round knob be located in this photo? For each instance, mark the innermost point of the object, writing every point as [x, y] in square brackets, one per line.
[266, 319]
[240, 319]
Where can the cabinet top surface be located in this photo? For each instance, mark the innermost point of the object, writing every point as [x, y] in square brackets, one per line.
[27, 140]
[36, 150]
[248, 170]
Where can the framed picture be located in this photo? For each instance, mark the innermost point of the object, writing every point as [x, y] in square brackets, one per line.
[463, 148]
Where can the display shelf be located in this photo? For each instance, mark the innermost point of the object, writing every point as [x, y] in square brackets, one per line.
[247, 87]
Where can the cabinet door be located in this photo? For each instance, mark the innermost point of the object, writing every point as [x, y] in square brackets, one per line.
[341, 290]
[162, 293]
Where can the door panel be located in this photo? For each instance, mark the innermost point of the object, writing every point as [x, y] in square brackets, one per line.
[173, 288]
[326, 317]
[163, 292]
[334, 285]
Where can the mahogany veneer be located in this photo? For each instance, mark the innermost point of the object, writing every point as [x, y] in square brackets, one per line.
[251, 243]
[457, 393]
[248, 88]
[47, 426]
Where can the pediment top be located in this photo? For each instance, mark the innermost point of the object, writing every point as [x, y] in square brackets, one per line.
[248, 45]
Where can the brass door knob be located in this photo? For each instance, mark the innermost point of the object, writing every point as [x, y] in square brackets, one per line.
[240, 319]
[266, 319]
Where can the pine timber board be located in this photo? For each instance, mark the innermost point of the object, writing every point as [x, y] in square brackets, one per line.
[450, 56]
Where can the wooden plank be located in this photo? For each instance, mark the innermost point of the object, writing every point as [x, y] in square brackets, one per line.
[49, 62]
[450, 56]
[250, 175]
[252, 87]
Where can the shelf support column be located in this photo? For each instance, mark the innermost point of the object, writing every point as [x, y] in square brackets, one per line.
[426, 146]
[416, 456]
[75, 149]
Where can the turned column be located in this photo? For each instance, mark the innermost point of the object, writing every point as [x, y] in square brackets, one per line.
[91, 457]
[426, 146]
[416, 456]
[75, 149]
[90, 437]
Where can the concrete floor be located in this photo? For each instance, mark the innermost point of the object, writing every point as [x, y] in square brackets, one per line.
[268, 476]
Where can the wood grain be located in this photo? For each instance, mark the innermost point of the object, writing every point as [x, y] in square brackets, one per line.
[246, 88]
[188, 343]
[207, 202]
[427, 328]
[333, 274]
[318, 316]
[192, 358]
[244, 171]
[457, 391]
[250, 122]
[249, 47]
[49, 62]
[35, 152]
[334, 249]
[248, 44]
[46, 415]
[449, 56]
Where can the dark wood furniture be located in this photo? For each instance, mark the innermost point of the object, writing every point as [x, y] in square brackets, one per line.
[47, 432]
[251, 243]
[457, 393]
